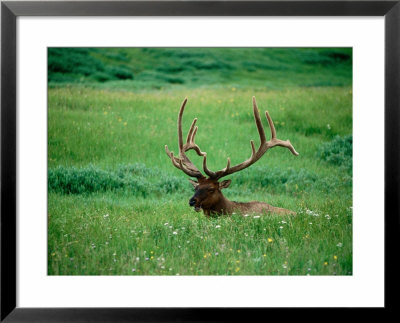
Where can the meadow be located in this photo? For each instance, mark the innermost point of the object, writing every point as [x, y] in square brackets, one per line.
[117, 205]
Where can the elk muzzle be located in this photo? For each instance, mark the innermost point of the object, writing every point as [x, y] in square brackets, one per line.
[193, 201]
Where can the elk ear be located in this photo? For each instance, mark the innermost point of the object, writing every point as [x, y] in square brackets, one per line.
[225, 184]
[194, 183]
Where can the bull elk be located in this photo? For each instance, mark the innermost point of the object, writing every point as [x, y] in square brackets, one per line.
[208, 191]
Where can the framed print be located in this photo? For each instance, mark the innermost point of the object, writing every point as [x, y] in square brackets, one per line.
[95, 193]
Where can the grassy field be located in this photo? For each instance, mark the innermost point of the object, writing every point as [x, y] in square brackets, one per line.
[116, 204]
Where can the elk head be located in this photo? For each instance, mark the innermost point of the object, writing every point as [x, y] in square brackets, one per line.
[208, 195]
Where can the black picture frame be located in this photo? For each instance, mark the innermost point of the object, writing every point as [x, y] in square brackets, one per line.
[10, 10]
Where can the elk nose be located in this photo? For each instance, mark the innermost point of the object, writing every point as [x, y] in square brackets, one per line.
[192, 201]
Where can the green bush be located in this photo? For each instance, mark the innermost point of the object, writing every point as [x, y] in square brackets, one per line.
[172, 184]
[135, 179]
[72, 61]
[338, 152]
[139, 180]
[102, 77]
[167, 67]
[120, 72]
[80, 62]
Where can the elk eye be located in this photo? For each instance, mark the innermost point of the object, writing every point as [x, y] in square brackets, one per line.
[211, 190]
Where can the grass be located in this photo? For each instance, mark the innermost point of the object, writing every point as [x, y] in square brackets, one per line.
[117, 206]
[113, 234]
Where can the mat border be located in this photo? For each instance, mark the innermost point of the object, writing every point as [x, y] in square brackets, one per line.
[10, 10]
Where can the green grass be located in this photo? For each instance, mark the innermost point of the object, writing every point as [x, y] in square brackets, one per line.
[113, 234]
[115, 199]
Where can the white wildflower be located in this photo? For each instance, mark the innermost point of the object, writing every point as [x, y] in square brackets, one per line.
[217, 226]
[256, 217]
[309, 212]
[174, 232]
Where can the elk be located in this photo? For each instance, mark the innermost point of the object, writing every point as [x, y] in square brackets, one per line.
[208, 191]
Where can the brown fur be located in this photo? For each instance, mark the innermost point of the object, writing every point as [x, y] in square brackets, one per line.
[209, 198]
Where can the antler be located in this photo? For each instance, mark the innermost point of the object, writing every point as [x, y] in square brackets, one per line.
[183, 162]
[255, 155]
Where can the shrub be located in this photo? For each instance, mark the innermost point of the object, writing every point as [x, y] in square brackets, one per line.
[120, 72]
[102, 77]
[172, 184]
[81, 180]
[138, 180]
[338, 152]
[135, 179]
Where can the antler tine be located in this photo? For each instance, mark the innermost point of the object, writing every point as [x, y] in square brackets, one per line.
[258, 122]
[255, 155]
[180, 140]
[271, 125]
[189, 138]
[277, 142]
